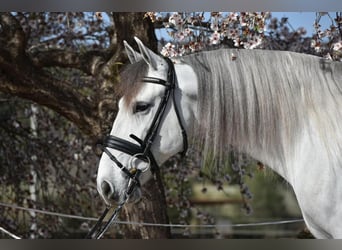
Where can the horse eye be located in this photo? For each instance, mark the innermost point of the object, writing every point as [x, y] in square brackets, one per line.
[141, 107]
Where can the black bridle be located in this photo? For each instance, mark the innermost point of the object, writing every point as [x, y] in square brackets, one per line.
[142, 150]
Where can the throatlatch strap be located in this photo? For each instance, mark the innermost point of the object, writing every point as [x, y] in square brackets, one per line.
[173, 80]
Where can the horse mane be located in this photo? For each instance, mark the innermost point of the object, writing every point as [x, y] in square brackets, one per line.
[258, 98]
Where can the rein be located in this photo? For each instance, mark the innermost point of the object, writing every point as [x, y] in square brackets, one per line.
[142, 150]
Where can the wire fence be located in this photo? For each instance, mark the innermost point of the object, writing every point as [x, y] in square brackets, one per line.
[77, 217]
[9, 233]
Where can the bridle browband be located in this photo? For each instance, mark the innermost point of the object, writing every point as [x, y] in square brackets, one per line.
[142, 150]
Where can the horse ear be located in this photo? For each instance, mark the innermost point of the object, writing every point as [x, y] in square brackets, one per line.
[148, 55]
[132, 55]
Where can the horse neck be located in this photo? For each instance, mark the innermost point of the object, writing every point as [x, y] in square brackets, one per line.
[188, 99]
[256, 132]
[269, 159]
[269, 102]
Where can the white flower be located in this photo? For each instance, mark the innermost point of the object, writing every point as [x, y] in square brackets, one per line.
[176, 20]
[180, 35]
[318, 49]
[183, 50]
[337, 46]
[188, 32]
[253, 43]
[237, 42]
[214, 26]
[196, 46]
[316, 45]
[233, 17]
[215, 38]
[169, 50]
[231, 33]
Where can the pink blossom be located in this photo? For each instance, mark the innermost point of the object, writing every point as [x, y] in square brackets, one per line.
[337, 46]
[169, 50]
[176, 20]
[215, 38]
[316, 45]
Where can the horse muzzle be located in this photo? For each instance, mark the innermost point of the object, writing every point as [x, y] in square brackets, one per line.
[113, 195]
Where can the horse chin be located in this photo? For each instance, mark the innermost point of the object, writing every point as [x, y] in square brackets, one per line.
[135, 197]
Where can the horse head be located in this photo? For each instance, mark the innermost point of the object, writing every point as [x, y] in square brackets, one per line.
[151, 125]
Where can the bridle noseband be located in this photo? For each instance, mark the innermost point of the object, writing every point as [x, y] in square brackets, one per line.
[142, 150]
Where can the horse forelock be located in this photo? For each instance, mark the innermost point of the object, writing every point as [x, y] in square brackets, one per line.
[130, 81]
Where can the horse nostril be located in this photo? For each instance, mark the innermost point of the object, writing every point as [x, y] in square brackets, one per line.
[106, 189]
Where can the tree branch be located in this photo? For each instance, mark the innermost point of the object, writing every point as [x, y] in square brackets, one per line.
[30, 83]
[89, 62]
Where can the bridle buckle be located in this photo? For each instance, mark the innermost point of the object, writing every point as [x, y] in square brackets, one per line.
[139, 157]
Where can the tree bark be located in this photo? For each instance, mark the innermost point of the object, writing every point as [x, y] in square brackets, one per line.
[152, 209]
[24, 73]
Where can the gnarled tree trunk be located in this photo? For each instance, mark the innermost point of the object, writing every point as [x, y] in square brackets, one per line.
[23, 73]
